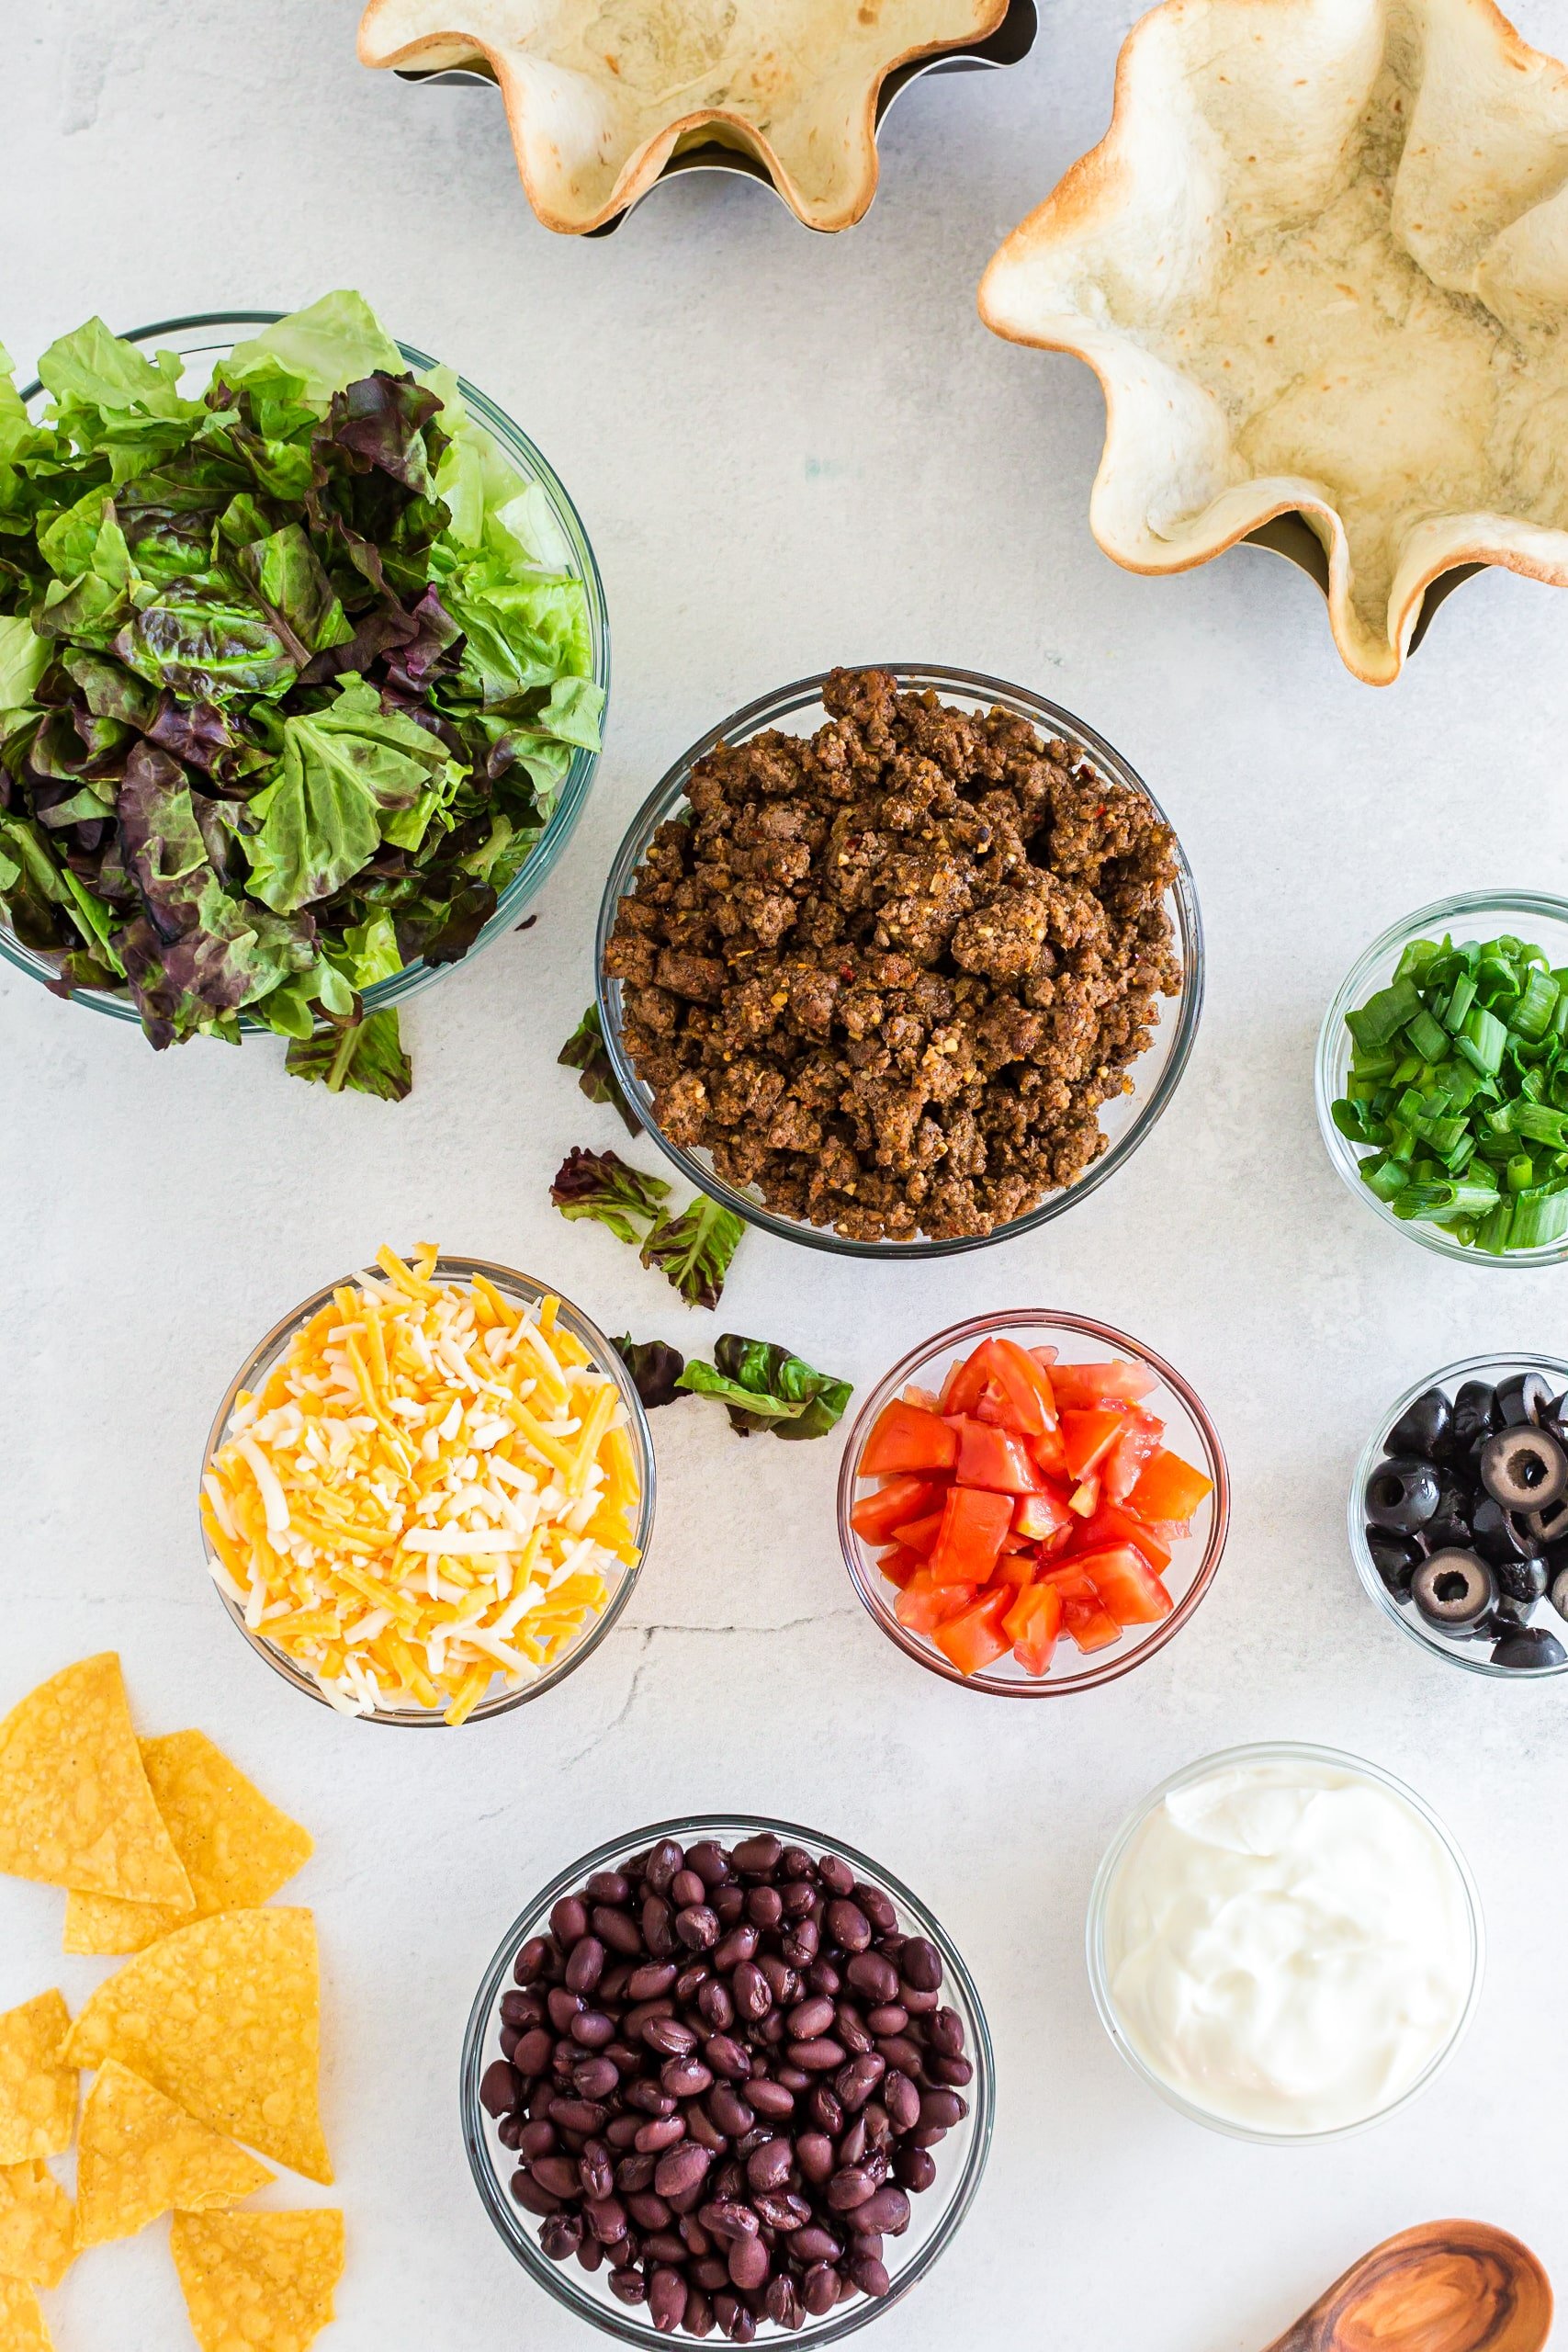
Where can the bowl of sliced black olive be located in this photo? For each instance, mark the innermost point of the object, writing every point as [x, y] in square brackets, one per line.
[1459, 1514]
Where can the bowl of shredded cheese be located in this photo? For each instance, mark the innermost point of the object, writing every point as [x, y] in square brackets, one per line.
[428, 1491]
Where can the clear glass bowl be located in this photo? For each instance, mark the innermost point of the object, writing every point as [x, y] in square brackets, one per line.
[1273, 1751]
[798, 709]
[1470, 915]
[1189, 1432]
[935, 2217]
[1471, 1654]
[202, 340]
[529, 1291]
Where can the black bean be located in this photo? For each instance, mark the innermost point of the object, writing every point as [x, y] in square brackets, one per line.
[557, 2173]
[835, 1874]
[891, 2017]
[699, 2313]
[727, 2057]
[753, 1993]
[954, 2070]
[569, 1921]
[629, 2286]
[531, 2196]
[850, 2188]
[729, 2112]
[943, 2106]
[758, 1857]
[586, 2115]
[593, 2030]
[814, 2244]
[663, 1863]
[684, 2168]
[531, 1961]
[634, 2173]
[770, 2098]
[660, 2133]
[820, 2289]
[855, 2084]
[667, 2297]
[847, 1925]
[646, 1983]
[764, 1906]
[870, 2275]
[783, 2304]
[659, 1927]
[945, 2033]
[669, 2036]
[595, 2171]
[715, 2005]
[536, 2139]
[710, 1861]
[769, 2166]
[818, 2057]
[778, 2209]
[499, 2088]
[561, 2236]
[921, 1964]
[595, 2079]
[686, 1887]
[648, 2211]
[614, 1928]
[563, 2006]
[509, 2131]
[738, 1945]
[825, 2110]
[664, 2245]
[887, 2211]
[685, 2078]
[696, 1928]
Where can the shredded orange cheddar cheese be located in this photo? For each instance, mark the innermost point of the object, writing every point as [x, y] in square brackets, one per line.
[433, 1487]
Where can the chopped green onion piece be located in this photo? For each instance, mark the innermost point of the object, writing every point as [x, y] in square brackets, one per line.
[1492, 1235]
[1384, 1177]
[1538, 1220]
[1459, 1004]
[1533, 1013]
[1384, 1015]
[1426, 1036]
[1482, 1040]
[1520, 1174]
[1541, 1124]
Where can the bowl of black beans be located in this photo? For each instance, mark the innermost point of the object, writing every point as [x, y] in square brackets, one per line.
[1459, 1514]
[726, 2077]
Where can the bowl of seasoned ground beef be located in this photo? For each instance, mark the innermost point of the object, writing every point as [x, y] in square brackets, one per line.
[900, 961]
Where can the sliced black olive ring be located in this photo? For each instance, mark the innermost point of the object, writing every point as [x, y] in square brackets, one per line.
[1524, 1468]
[1453, 1590]
[1403, 1494]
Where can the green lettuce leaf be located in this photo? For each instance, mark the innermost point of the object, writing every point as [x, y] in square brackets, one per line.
[363, 1057]
[332, 343]
[585, 1052]
[291, 580]
[350, 775]
[762, 1386]
[110, 400]
[24, 658]
[205, 645]
[604, 1187]
[693, 1250]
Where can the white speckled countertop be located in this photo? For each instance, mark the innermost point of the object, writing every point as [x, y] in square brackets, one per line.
[788, 450]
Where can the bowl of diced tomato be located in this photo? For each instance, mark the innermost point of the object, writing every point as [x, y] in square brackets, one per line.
[1033, 1503]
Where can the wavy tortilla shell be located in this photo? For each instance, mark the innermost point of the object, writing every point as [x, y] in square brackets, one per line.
[600, 92]
[1320, 263]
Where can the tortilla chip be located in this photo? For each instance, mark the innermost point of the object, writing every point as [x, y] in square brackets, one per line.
[22, 2325]
[236, 1847]
[258, 2282]
[37, 2091]
[223, 2017]
[140, 2155]
[36, 2239]
[75, 1807]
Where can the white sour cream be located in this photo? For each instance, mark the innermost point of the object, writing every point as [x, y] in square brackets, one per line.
[1288, 1944]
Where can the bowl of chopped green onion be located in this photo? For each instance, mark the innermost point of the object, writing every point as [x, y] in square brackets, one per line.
[1442, 1077]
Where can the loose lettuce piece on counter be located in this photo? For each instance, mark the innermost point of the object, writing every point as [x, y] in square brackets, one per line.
[584, 1051]
[602, 1186]
[363, 1057]
[693, 1250]
[654, 1367]
[763, 1387]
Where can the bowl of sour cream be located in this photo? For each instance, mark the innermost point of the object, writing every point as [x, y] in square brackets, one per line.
[1285, 1942]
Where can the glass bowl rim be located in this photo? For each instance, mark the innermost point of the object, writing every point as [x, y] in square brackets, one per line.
[571, 798]
[1204, 1768]
[522, 2244]
[1343, 1155]
[764, 712]
[986, 1684]
[606, 1357]
[1407, 1620]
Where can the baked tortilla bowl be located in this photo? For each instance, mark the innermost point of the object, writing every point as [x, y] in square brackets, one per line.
[1125, 1119]
[600, 93]
[1319, 263]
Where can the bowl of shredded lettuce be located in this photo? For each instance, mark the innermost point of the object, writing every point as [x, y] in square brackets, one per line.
[303, 667]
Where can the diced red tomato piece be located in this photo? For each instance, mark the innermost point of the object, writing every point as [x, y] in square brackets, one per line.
[965, 1382]
[1017, 1568]
[1017, 1390]
[926, 1399]
[1084, 1614]
[1088, 1436]
[1051, 1456]
[1127, 1585]
[906, 1496]
[1079, 1385]
[900, 1565]
[923, 1604]
[919, 1536]
[1084, 1497]
[973, 1527]
[1112, 1525]
[1168, 1488]
[1058, 1545]
[1033, 1625]
[994, 1406]
[1041, 1515]
[1045, 1357]
[974, 1639]
[996, 1459]
[908, 1438]
[1136, 1444]
[1169, 1531]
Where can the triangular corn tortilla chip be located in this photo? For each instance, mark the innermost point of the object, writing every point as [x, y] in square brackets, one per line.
[75, 1807]
[224, 2018]
[258, 2282]
[22, 2327]
[35, 2238]
[140, 2155]
[236, 1847]
[38, 2089]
